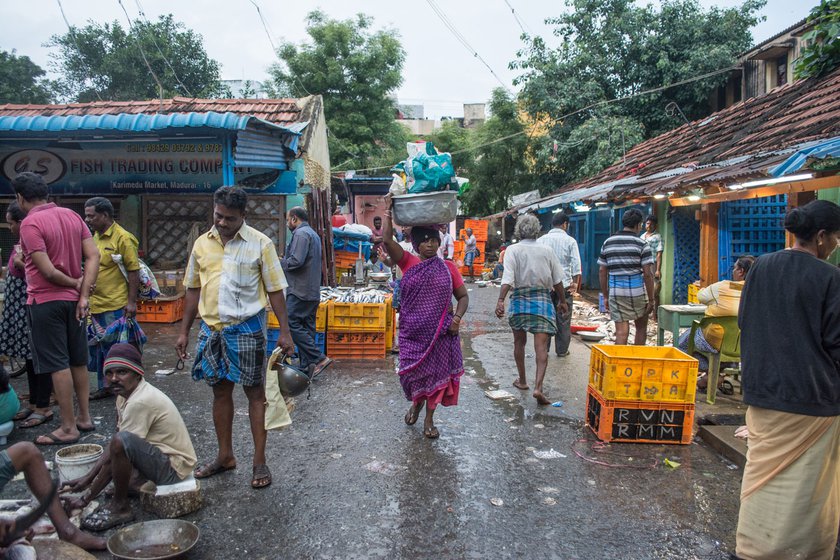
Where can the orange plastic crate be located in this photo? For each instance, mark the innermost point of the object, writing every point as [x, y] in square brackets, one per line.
[390, 323]
[639, 421]
[160, 310]
[356, 345]
[478, 226]
[346, 259]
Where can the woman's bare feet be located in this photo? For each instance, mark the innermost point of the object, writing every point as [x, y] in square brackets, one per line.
[541, 399]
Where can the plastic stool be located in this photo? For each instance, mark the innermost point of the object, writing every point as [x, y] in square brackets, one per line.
[5, 430]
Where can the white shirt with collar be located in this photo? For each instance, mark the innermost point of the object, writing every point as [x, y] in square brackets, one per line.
[566, 249]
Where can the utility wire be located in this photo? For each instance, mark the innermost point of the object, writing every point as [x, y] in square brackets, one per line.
[573, 113]
[274, 47]
[75, 42]
[461, 39]
[165, 60]
[521, 23]
[142, 52]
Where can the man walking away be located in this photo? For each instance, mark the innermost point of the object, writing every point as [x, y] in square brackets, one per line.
[53, 241]
[302, 265]
[626, 276]
[566, 249]
[115, 295]
[232, 269]
[470, 250]
[654, 239]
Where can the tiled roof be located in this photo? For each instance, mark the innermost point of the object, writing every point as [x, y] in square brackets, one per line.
[279, 111]
[741, 140]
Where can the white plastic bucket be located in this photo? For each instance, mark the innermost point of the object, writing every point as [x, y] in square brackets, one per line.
[75, 461]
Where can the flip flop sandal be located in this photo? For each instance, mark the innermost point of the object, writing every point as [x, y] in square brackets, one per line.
[328, 362]
[432, 433]
[54, 440]
[22, 414]
[411, 419]
[211, 469]
[261, 478]
[103, 519]
[35, 419]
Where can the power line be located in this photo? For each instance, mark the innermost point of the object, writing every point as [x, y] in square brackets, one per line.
[274, 47]
[573, 113]
[165, 60]
[142, 52]
[73, 37]
[461, 39]
[521, 23]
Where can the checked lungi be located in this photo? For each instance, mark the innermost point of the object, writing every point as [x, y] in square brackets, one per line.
[628, 297]
[532, 310]
[235, 353]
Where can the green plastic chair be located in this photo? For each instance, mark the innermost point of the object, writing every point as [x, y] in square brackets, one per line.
[730, 349]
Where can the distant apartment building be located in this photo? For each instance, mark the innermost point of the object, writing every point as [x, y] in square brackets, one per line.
[412, 117]
[763, 68]
[245, 89]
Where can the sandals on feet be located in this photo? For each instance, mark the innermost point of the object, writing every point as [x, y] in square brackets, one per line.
[22, 414]
[103, 519]
[54, 440]
[209, 469]
[431, 433]
[262, 477]
[35, 419]
[413, 414]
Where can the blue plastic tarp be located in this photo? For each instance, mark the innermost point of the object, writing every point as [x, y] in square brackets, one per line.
[350, 241]
[828, 148]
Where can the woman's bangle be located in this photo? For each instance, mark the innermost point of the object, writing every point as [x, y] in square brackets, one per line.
[459, 316]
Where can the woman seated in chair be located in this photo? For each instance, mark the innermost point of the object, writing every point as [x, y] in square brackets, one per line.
[722, 300]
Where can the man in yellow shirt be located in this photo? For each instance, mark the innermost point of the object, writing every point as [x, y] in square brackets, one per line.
[232, 271]
[115, 295]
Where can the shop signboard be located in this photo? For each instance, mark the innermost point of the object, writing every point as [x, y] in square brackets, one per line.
[114, 167]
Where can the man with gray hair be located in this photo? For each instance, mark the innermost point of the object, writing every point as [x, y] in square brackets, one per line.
[302, 265]
[115, 295]
[532, 273]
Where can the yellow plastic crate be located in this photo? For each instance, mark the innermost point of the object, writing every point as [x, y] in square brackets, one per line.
[693, 290]
[320, 318]
[389, 326]
[647, 373]
[357, 317]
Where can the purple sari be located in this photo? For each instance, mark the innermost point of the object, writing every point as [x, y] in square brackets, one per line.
[430, 358]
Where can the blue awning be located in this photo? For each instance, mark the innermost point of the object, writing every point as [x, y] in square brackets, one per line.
[259, 143]
[821, 149]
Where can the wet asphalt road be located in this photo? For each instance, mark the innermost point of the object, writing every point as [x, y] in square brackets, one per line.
[351, 480]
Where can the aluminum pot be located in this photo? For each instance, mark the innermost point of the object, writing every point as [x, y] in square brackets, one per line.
[426, 208]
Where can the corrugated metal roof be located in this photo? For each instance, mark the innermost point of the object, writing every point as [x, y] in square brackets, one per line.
[138, 122]
[277, 111]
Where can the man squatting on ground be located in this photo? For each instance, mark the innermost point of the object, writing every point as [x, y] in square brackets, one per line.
[232, 270]
[151, 439]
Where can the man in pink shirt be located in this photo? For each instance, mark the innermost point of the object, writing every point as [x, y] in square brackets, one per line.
[53, 241]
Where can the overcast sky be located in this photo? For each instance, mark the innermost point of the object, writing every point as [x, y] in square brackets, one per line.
[439, 72]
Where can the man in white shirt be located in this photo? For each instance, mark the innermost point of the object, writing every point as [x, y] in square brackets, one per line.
[447, 244]
[566, 249]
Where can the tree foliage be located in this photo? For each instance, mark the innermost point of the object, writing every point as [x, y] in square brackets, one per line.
[500, 166]
[21, 80]
[106, 59]
[613, 49]
[822, 51]
[356, 70]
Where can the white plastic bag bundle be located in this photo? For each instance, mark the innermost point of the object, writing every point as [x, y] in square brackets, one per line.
[397, 186]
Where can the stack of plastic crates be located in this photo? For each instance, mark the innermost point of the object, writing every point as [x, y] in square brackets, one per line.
[641, 394]
[357, 331]
[273, 332]
[480, 231]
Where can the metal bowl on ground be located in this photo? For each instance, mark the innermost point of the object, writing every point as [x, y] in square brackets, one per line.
[591, 336]
[153, 540]
[426, 208]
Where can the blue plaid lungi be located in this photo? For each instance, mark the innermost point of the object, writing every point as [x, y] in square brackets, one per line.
[532, 310]
[700, 343]
[235, 353]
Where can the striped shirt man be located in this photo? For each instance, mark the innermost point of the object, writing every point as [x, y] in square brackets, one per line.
[625, 254]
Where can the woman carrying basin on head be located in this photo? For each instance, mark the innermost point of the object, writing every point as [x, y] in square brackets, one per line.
[790, 355]
[431, 364]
